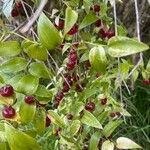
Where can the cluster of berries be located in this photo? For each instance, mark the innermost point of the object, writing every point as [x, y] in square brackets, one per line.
[9, 112]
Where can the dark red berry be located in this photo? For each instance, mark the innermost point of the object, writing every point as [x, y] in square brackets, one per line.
[102, 33]
[71, 65]
[14, 13]
[96, 8]
[75, 78]
[110, 34]
[118, 114]
[56, 103]
[48, 121]
[59, 96]
[69, 116]
[146, 82]
[104, 101]
[73, 57]
[112, 115]
[73, 30]
[29, 99]
[8, 112]
[98, 74]
[79, 87]
[66, 87]
[60, 24]
[87, 64]
[7, 90]
[18, 5]
[98, 23]
[90, 106]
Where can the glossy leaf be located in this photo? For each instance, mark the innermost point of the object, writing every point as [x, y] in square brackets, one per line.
[28, 85]
[27, 112]
[36, 51]
[6, 100]
[98, 59]
[9, 48]
[123, 46]
[90, 120]
[39, 121]
[103, 116]
[94, 141]
[20, 141]
[107, 145]
[14, 65]
[74, 127]
[71, 17]
[110, 127]
[56, 118]
[39, 70]
[125, 143]
[43, 92]
[48, 34]
[88, 20]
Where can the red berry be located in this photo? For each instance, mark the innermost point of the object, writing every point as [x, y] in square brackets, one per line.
[104, 101]
[79, 87]
[146, 82]
[56, 103]
[112, 115]
[18, 5]
[90, 106]
[75, 78]
[59, 96]
[14, 13]
[118, 114]
[29, 99]
[60, 24]
[66, 87]
[71, 65]
[98, 74]
[73, 30]
[96, 8]
[110, 34]
[69, 116]
[98, 23]
[48, 121]
[87, 64]
[7, 91]
[8, 112]
[102, 33]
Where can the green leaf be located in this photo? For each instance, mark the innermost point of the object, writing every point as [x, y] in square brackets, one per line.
[103, 116]
[40, 121]
[18, 140]
[71, 17]
[39, 70]
[123, 46]
[125, 143]
[27, 112]
[6, 100]
[87, 5]
[98, 59]
[88, 20]
[9, 48]
[48, 34]
[110, 127]
[74, 127]
[108, 145]
[43, 92]
[36, 51]
[56, 118]
[28, 85]
[94, 141]
[14, 65]
[90, 120]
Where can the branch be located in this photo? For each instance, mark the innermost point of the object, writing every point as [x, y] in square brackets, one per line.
[34, 17]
